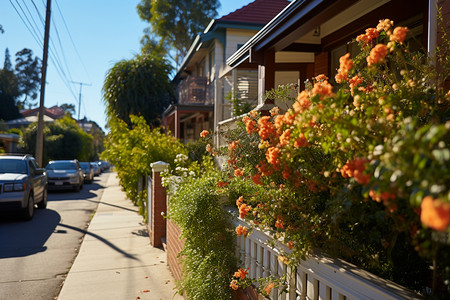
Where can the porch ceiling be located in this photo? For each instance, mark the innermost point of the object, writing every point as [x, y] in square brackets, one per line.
[311, 25]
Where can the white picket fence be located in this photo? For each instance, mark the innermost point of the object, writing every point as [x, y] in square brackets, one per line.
[316, 278]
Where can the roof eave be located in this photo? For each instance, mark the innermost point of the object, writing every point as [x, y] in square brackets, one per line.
[244, 52]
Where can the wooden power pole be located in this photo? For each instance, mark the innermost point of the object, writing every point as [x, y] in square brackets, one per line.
[40, 129]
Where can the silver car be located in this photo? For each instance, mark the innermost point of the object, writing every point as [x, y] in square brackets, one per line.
[22, 184]
[88, 172]
[65, 174]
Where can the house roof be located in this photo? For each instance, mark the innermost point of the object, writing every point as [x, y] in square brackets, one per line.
[258, 11]
[251, 16]
[54, 112]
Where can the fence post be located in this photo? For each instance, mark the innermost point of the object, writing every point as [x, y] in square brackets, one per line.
[157, 223]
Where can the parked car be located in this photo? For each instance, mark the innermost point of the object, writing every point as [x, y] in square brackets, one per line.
[88, 172]
[96, 168]
[65, 174]
[104, 165]
[22, 184]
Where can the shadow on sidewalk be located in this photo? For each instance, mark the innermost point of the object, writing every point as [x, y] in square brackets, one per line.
[102, 240]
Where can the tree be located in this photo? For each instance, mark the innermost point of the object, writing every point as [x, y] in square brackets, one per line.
[68, 108]
[8, 79]
[9, 110]
[63, 139]
[28, 72]
[174, 23]
[139, 86]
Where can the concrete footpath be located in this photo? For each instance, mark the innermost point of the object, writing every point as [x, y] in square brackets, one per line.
[116, 260]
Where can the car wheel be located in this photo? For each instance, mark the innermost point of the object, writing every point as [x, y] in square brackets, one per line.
[43, 203]
[29, 210]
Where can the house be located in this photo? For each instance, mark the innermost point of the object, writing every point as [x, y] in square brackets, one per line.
[9, 142]
[31, 116]
[201, 90]
[308, 38]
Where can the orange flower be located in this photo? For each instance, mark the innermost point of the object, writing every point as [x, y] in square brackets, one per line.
[399, 34]
[300, 141]
[264, 168]
[257, 179]
[239, 201]
[289, 118]
[435, 213]
[346, 64]
[266, 128]
[377, 54]
[274, 111]
[234, 285]
[279, 222]
[322, 89]
[285, 137]
[241, 230]
[233, 145]
[238, 173]
[221, 184]
[302, 103]
[279, 121]
[371, 33]
[241, 273]
[243, 210]
[272, 156]
[204, 133]
[321, 77]
[208, 148]
[385, 25]
[250, 126]
[355, 169]
[290, 245]
[355, 81]
[269, 288]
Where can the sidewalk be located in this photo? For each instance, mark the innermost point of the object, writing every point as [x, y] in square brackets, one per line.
[116, 260]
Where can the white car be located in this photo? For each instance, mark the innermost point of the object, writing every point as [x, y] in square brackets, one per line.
[22, 184]
[65, 174]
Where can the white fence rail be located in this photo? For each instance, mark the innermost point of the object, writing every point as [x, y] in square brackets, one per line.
[316, 278]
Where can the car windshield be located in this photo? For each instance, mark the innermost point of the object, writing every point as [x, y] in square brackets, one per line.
[61, 166]
[13, 166]
[84, 165]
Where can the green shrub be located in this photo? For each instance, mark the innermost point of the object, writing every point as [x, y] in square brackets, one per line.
[208, 254]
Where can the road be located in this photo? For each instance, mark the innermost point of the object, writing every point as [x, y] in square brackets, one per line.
[35, 256]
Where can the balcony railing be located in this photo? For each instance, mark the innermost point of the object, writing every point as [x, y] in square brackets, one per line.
[194, 90]
[318, 277]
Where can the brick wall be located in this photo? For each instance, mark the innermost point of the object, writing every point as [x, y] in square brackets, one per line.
[174, 246]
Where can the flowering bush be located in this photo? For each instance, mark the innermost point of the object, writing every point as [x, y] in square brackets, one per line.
[360, 171]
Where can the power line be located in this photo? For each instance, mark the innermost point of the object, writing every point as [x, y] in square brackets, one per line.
[28, 19]
[32, 32]
[71, 39]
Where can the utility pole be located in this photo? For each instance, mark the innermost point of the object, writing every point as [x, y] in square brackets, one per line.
[79, 97]
[40, 129]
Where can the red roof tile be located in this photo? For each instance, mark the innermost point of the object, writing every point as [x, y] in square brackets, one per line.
[257, 12]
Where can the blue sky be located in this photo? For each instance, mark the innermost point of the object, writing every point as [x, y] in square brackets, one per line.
[87, 39]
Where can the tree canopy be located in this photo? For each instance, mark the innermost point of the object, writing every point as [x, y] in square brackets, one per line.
[28, 72]
[174, 24]
[139, 86]
[63, 139]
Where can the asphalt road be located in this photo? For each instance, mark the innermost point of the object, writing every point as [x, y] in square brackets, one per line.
[35, 256]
